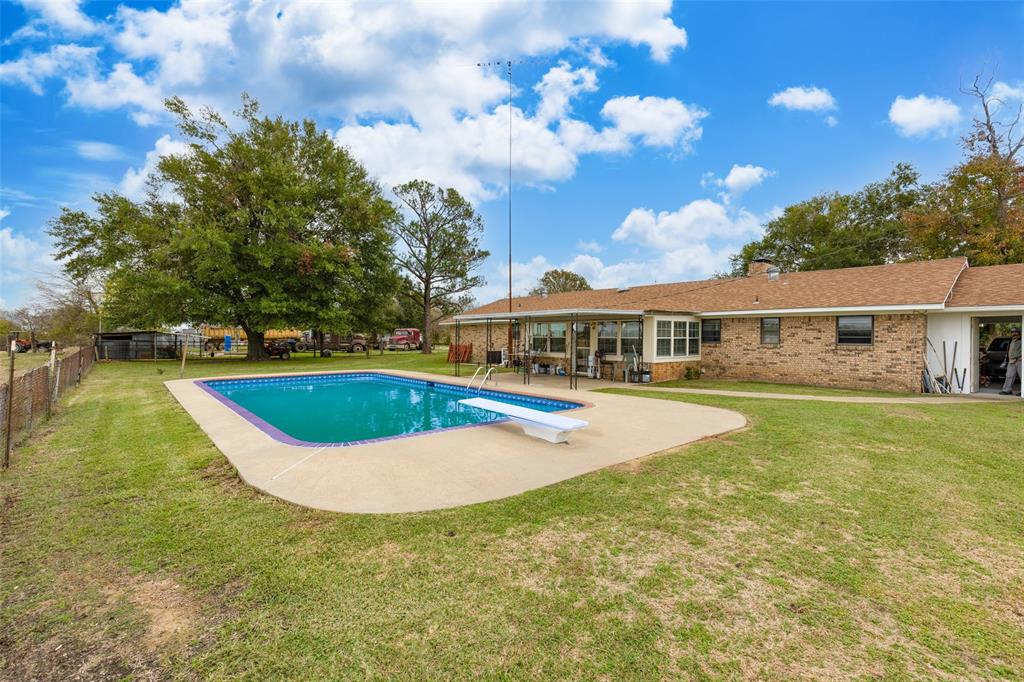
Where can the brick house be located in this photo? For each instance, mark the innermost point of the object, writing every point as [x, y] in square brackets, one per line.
[873, 327]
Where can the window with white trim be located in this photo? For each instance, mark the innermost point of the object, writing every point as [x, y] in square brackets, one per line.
[664, 341]
[540, 337]
[608, 338]
[677, 338]
[630, 340]
[557, 337]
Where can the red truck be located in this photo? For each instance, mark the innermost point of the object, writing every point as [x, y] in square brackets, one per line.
[404, 339]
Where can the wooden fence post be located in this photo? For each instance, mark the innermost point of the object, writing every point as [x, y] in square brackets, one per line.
[78, 379]
[49, 380]
[5, 461]
[29, 380]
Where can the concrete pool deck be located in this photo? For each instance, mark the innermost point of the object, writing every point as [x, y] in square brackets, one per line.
[438, 470]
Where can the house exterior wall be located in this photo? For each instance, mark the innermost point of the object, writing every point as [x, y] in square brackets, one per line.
[808, 353]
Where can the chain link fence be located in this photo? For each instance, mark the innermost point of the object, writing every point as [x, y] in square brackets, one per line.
[31, 397]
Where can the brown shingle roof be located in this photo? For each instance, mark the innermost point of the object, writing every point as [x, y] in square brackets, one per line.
[990, 285]
[911, 283]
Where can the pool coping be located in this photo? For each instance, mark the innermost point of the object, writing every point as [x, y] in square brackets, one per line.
[282, 437]
[442, 469]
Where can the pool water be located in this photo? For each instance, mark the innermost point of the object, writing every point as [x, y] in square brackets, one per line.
[354, 408]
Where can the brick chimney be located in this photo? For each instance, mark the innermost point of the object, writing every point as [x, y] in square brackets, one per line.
[759, 266]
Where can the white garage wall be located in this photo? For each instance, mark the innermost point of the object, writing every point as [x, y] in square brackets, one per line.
[955, 330]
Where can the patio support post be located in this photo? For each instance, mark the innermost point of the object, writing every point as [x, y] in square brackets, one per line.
[640, 358]
[458, 348]
[572, 352]
[527, 347]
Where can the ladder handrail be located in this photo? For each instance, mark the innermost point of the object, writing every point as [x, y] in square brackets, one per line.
[484, 380]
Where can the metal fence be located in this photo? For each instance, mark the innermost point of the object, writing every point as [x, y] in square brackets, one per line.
[31, 397]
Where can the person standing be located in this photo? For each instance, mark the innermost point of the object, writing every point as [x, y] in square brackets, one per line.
[1012, 362]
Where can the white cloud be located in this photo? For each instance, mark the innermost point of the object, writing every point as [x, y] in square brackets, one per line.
[831, 121]
[1004, 93]
[804, 98]
[4, 213]
[742, 178]
[691, 224]
[32, 69]
[98, 151]
[133, 184]
[365, 58]
[122, 87]
[23, 260]
[470, 152]
[65, 15]
[559, 86]
[589, 246]
[658, 121]
[922, 115]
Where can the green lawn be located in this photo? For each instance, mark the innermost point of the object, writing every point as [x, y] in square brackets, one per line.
[767, 387]
[826, 540]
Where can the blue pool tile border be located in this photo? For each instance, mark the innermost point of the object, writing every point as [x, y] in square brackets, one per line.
[341, 377]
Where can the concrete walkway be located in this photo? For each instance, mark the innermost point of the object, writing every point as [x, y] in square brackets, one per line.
[511, 381]
[877, 400]
[442, 469]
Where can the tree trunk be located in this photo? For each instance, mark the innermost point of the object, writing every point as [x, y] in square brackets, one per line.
[426, 321]
[254, 351]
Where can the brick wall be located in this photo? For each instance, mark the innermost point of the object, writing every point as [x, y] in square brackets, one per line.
[666, 371]
[808, 353]
[476, 334]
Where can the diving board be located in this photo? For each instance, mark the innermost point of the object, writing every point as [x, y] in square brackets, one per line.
[553, 428]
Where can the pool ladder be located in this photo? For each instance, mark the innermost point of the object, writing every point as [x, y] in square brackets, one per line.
[484, 380]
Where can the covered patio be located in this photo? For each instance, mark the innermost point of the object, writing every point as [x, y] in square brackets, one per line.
[574, 345]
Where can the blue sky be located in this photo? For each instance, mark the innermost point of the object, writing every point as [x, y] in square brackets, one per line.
[650, 140]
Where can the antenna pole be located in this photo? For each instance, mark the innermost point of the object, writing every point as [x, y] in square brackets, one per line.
[509, 64]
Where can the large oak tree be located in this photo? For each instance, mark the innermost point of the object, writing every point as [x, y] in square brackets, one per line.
[271, 225]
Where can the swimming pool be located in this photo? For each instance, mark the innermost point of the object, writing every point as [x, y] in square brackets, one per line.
[359, 407]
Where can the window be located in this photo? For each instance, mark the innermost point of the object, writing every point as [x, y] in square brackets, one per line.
[677, 338]
[630, 338]
[711, 331]
[607, 338]
[855, 330]
[540, 338]
[770, 331]
[664, 328]
[557, 344]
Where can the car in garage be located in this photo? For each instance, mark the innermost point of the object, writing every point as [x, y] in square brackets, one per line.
[995, 356]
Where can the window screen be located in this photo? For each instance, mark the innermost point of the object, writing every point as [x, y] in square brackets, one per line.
[770, 330]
